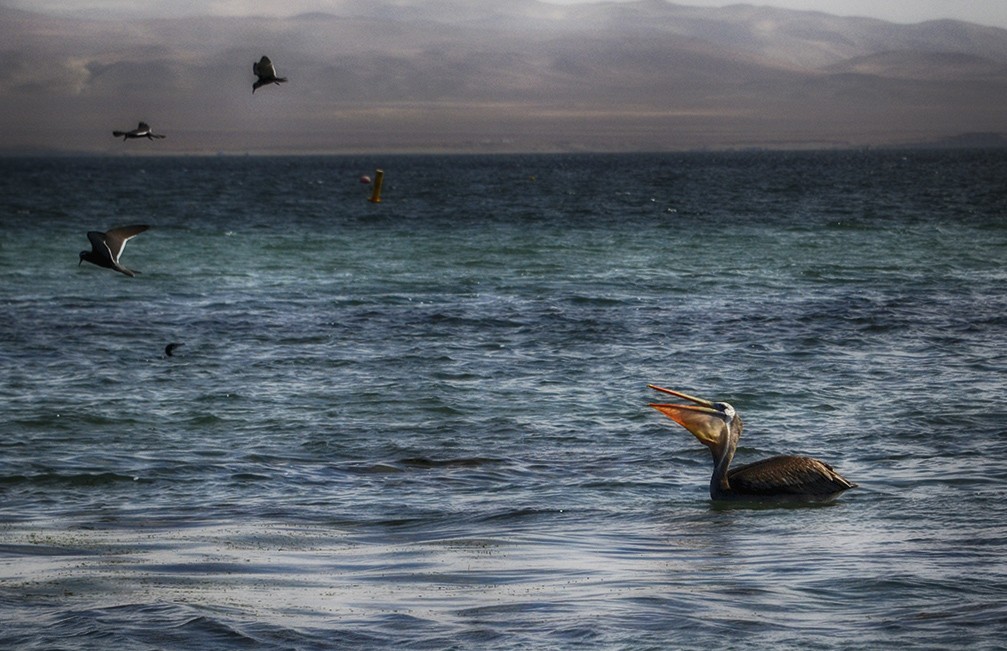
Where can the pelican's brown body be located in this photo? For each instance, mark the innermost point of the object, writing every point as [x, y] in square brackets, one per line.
[718, 426]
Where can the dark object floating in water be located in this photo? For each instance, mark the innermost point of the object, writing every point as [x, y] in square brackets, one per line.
[266, 73]
[379, 179]
[141, 131]
[107, 247]
[169, 350]
[718, 426]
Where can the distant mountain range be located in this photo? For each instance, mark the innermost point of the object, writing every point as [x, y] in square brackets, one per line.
[450, 75]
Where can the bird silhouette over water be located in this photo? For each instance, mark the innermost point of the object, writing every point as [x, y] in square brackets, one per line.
[266, 73]
[142, 130]
[169, 350]
[107, 247]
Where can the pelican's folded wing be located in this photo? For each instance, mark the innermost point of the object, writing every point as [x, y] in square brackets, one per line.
[787, 474]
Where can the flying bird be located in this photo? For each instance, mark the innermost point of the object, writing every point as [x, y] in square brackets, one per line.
[718, 426]
[169, 350]
[142, 130]
[107, 247]
[266, 74]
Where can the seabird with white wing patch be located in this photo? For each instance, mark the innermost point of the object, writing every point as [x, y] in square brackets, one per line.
[107, 247]
[141, 131]
[266, 73]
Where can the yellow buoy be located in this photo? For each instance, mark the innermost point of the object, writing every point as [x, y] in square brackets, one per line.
[379, 176]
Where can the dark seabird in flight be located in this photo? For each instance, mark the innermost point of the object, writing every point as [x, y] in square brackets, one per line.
[169, 350]
[266, 74]
[142, 130]
[107, 247]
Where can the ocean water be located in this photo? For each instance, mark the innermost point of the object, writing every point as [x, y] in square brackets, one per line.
[423, 423]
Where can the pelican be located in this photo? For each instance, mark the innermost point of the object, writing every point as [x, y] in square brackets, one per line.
[266, 74]
[107, 247]
[142, 130]
[718, 426]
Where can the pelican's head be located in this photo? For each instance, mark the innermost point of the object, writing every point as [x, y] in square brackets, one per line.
[713, 423]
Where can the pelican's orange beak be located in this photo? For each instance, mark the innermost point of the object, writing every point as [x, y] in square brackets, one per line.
[702, 419]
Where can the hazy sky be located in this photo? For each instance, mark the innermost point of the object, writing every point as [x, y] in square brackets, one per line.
[498, 75]
[986, 12]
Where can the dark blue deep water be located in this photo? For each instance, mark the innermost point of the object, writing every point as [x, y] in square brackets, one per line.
[423, 424]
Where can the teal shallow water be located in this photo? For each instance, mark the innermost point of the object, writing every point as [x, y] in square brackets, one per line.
[423, 423]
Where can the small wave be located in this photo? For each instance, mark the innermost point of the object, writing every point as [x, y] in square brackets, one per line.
[43, 546]
[176, 626]
[407, 464]
[242, 477]
[463, 462]
[71, 480]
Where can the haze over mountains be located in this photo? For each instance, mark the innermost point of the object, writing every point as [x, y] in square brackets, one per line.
[444, 75]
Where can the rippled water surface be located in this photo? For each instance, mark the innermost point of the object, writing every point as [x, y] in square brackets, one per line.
[423, 423]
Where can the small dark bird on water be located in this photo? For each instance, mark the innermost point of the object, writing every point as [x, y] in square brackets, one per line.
[141, 131]
[107, 247]
[169, 350]
[266, 73]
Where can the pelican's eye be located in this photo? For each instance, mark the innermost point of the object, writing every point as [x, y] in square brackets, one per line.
[725, 409]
